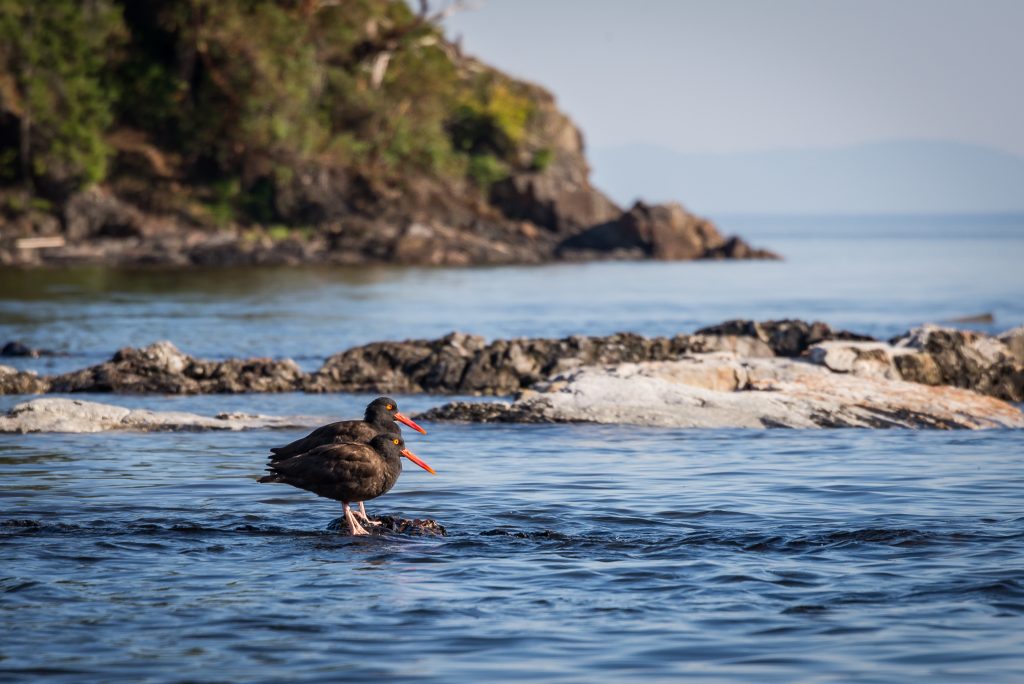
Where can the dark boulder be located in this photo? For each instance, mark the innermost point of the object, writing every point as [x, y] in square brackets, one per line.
[660, 231]
[389, 524]
[736, 247]
[19, 348]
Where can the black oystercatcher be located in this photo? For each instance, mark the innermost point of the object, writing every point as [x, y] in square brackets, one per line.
[346, 472]
[379, 418]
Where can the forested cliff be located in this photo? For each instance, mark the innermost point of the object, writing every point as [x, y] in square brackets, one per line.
[204, 131]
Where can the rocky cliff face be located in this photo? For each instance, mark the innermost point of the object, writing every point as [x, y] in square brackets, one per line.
[272, 133]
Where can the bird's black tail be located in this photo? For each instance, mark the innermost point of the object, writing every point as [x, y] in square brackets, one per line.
[273, 477]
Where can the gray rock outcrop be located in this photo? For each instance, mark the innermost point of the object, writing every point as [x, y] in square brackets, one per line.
[962, 358]
[865, 359]
[724, 391]
[52, 414]
[1014, 341]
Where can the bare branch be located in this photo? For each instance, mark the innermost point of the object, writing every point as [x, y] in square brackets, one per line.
[379, 68]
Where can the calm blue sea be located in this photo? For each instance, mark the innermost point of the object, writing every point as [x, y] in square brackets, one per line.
[576, 553]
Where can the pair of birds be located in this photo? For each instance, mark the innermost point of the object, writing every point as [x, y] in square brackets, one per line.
[350, 461]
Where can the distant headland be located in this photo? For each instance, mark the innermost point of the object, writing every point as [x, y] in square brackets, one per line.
[184, 133]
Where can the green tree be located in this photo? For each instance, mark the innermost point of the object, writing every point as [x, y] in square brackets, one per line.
[53, 56]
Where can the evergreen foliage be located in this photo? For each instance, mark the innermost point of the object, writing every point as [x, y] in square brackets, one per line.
[247, 92]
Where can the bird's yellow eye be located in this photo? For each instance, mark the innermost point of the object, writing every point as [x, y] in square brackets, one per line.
[390, 407]
[395, 441]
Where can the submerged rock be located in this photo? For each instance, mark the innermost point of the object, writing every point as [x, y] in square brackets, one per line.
[72, 415]
[724, 391]
[387, 524]
[19, 348]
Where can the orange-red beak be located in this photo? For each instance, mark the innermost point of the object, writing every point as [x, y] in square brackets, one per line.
[415, 459]
[402, 419]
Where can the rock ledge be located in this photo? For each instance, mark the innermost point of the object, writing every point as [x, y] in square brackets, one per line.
[724, 391]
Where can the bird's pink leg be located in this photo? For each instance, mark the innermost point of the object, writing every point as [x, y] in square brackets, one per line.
[353, 525]
[366, 518]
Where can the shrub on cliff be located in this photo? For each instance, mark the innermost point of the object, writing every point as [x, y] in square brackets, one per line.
[238, 96]
[56, 91]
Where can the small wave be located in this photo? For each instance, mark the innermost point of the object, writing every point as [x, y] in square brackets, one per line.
[528, 534]
[805, 609]
[28, 526]
[651, 541]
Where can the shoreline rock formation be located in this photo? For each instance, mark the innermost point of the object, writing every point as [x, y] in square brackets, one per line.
[469, 365]
[721, 390]
[163, 368]
[54, 414]
[447, 234]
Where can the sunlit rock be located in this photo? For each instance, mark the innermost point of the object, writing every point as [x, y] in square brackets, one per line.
[725, 391]
[53, 414]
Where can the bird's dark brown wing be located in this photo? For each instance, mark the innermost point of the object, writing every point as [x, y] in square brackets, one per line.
[346, 472]
[355, 431]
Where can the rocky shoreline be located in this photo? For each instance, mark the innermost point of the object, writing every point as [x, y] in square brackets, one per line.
[722, 390]
[99, 228]
[468, 364]
[53, 414]
[787, 373]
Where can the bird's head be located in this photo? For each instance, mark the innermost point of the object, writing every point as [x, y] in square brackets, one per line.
[385, 409]
[390, 443]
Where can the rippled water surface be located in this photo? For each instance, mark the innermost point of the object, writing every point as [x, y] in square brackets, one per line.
[575, 553]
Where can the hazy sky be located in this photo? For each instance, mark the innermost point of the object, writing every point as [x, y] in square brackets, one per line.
[743, 75]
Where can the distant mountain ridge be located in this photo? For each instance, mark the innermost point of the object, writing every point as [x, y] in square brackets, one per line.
[877, 178]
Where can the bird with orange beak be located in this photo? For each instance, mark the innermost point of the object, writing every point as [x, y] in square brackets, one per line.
[378, 419]
[346, 472]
